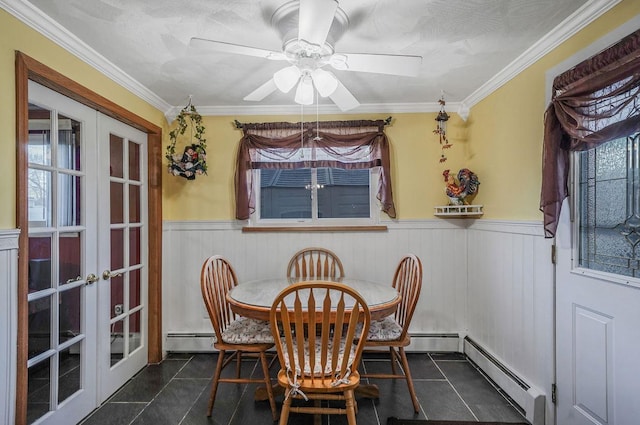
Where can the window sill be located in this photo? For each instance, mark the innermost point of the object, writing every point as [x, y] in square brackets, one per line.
[278, 229]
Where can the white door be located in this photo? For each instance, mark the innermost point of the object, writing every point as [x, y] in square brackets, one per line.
[598, 290]
[122, 212]
[87, 257]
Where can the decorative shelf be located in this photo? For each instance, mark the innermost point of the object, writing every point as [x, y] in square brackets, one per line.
[458, 211]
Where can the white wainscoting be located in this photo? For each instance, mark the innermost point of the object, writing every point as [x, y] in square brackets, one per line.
[8, 322]
[511, 304]
[491, 281]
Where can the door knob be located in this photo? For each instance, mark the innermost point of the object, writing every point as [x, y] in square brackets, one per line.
[106, 275]
[91, 278]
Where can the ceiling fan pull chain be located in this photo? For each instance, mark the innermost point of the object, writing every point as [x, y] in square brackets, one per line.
[301, 130]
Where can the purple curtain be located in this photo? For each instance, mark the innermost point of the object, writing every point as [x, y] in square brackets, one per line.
[336, 144]
[595, 102]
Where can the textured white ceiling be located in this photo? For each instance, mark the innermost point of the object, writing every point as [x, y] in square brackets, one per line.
[464, 43]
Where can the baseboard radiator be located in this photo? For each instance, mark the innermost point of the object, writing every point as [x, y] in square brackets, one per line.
[527, 397]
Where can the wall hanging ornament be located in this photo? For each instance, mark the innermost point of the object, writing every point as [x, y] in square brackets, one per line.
[192, 160]
[441, 129]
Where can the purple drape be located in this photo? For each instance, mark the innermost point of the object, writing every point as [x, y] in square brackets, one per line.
[337, 144]
[595, 102]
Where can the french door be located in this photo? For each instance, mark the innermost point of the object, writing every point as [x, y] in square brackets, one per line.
[87, 261]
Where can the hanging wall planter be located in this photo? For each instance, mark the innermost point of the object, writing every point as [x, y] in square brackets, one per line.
[190, 161]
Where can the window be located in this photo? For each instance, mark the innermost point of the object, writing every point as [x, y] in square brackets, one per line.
[609, 205]
[314, 194]
[319, 175]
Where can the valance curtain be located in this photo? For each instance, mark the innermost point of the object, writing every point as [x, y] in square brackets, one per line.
[337, 144]
[592, 103]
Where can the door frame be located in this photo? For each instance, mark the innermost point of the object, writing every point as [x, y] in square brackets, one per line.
[26, 69]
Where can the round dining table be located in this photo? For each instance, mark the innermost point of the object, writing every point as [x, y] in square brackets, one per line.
[254, 298]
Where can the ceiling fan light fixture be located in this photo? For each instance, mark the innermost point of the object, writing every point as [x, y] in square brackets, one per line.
[287, 78]
[304, 92]
[326, 83]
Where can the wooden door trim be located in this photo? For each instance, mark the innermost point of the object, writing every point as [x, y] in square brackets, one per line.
[27, 69]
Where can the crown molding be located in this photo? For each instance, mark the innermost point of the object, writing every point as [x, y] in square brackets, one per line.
[582, 17]
[36, 19]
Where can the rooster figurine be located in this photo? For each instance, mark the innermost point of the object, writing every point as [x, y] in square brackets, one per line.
[466, 185]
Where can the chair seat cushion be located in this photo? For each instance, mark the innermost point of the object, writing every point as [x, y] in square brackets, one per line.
[248, 331]
[318, 367]
[386, 329]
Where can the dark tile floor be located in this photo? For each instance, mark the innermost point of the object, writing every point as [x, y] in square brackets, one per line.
[448, 386]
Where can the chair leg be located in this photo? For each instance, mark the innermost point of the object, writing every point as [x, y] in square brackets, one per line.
[267, 381]
[214, 383]
[392, 354]
[284, 414]
[317, 417]
[238, 363]
[407, 374]
[350, 407]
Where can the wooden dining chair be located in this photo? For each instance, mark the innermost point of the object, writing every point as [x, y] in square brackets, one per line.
[236, 335]
[393, 331]
[320, 328]
[319, 263]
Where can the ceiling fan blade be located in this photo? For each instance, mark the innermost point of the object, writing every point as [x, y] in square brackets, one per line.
[315, 19]
[405, 65]
[261, 92]
[343, 98]
[219, 46]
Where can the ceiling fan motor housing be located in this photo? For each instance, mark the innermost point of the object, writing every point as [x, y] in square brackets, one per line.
[285, 21]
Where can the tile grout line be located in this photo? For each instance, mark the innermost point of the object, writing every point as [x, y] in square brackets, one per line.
[455, 390]
[159, 391]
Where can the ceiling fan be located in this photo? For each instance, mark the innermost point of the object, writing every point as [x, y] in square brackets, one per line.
[309, 29]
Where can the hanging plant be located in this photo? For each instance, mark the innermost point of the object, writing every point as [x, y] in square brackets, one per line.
[192, 160]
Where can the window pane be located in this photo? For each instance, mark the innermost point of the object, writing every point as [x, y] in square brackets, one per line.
[39, 325]
[39, 262]
[117, 249]
[39, 193]
[343, 193]
[135, 339]
[70, 256]
[69, 192]
[39, 390]
[117, 203]
[134, 161]
[117, 295]
[69, 373]
[285, 193]
[39, 150]
[134, 288]
[134, 204]
[116, 153]
[609, 183]
[69, 312]
[68, 143]
[134, 246]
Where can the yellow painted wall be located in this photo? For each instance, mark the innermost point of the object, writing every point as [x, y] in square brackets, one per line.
[506, 128]
[16, 36]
